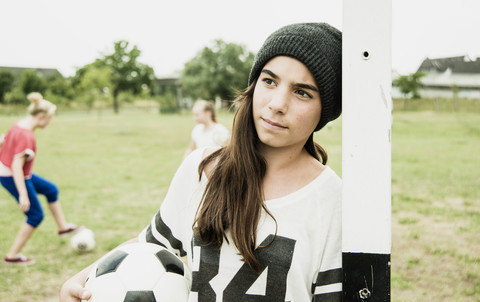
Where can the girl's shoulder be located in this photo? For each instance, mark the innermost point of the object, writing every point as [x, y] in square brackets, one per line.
[207, 151]
[221, 127]
[193, 160]
[17, 132]
[198, 128]
[19, 127]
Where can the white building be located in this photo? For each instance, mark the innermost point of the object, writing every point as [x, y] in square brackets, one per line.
[450, 77]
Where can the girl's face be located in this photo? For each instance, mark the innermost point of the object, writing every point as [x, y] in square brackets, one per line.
[200, 115]
[43, 119]
[286, 103]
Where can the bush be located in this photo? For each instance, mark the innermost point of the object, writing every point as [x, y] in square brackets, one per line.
[125, 97]
[168, 103]
[16, 96]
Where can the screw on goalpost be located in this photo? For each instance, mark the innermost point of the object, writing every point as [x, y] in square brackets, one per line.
[366, 276]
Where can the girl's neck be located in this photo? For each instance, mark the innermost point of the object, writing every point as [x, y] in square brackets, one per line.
[288, 171]
[279, 159]
[209, 124]
[29, 123]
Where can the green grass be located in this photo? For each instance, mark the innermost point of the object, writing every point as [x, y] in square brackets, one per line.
[436, 206]
[113, 171]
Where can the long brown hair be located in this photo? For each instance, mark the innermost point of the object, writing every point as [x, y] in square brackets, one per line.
[233, 199]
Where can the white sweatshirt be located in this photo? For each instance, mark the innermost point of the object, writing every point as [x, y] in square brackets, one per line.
[302, 264]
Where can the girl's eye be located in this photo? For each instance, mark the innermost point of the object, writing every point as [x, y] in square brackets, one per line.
[304, 94]
[268, 81]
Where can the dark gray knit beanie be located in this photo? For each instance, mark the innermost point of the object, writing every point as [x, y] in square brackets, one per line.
[319, 47]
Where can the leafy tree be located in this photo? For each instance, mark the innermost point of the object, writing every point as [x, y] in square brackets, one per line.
[409, 85]
[30, 81]
[59, 89]
[79, 74]
[95, 84]
[6, 83]
[127, 74]
[217, 71]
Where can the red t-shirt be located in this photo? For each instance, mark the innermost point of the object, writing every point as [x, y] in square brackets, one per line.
[18, 142]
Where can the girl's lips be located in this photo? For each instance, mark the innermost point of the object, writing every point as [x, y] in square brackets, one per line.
[269, 122]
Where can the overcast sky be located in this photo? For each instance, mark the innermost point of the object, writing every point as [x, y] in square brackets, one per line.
[66, 34]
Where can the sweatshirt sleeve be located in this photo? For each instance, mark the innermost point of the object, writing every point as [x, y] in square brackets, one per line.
[171, 226]
[220, 135]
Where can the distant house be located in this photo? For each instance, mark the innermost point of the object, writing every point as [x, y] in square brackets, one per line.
[43, 72]
[449, 77]
[172, 82]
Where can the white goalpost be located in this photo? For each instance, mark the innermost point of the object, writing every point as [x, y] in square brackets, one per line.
[366, 150]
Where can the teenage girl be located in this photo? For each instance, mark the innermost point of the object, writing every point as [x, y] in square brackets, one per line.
[208, 132]
[259, 219]
[17, 155]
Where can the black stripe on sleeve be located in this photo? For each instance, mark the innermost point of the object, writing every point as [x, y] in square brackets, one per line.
[329, 277]
[332, 276]
[165, 231]
[150, 238]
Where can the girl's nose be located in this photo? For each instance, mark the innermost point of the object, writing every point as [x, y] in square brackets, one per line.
[279, 101]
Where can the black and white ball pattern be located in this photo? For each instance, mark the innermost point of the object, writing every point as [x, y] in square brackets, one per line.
[139, 272]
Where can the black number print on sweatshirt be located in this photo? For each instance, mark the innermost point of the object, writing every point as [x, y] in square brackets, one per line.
[276, 258]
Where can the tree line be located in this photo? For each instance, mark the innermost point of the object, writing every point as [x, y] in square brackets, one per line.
[217, 72]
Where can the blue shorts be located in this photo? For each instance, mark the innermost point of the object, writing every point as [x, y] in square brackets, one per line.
[35, 185]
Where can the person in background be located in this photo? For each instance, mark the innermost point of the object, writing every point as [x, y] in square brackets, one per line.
[208, 132]
[17, 155]
[260, 219]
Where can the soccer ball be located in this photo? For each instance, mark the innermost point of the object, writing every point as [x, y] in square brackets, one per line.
[143, 272]
[83, 240]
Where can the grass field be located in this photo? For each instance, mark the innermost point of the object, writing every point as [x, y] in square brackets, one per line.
[113, 171]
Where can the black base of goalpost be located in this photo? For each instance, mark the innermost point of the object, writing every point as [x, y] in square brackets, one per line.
[366, 277]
